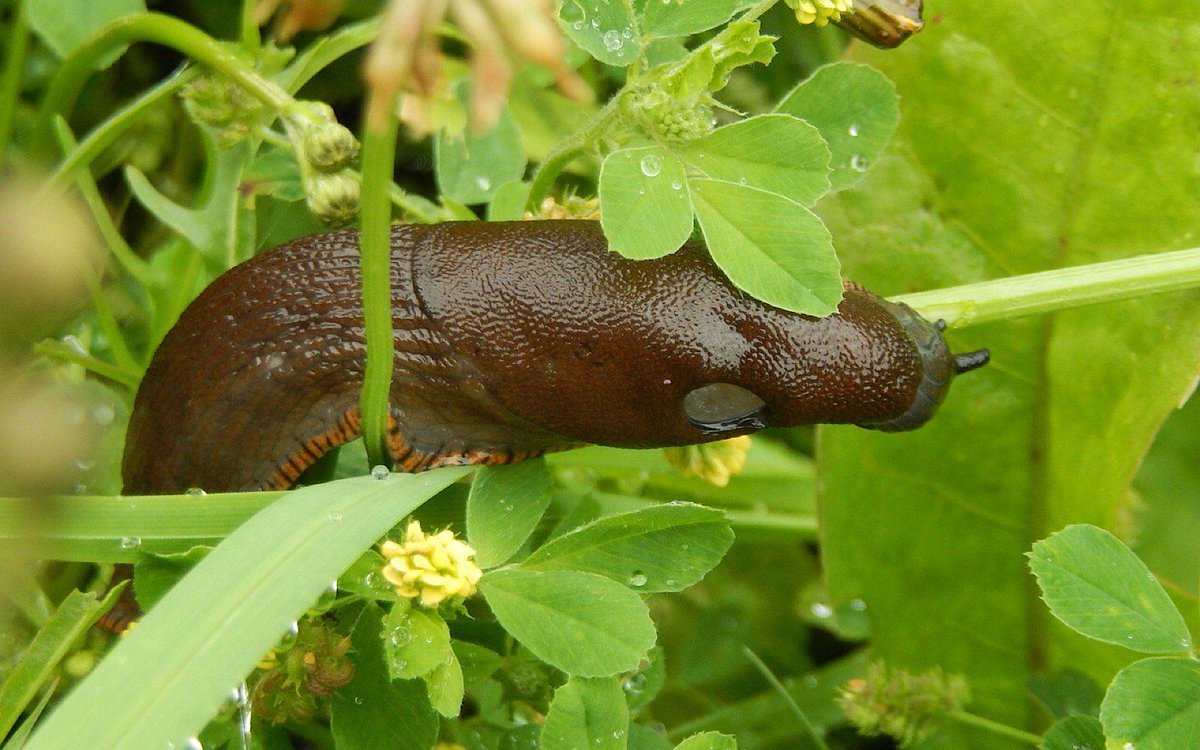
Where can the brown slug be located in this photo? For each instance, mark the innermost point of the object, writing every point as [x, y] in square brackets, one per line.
[511, 339]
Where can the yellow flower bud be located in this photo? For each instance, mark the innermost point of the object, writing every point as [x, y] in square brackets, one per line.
[430, 568]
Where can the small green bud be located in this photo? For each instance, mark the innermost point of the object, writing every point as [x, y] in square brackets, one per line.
[669, 121]
[907, 707]
[222, 106]
[334, 198]
[329, 146]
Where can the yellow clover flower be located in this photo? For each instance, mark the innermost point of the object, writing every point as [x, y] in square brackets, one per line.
[715, 462]
[431, 569]
[820, 12]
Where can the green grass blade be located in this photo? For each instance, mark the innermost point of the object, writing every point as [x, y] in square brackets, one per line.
[75, 615]
[163, 682]
[121, 529]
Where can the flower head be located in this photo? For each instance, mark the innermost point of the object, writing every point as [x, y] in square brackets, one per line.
[713, 462]
[902, 705]
[431, 568]
[820, 12]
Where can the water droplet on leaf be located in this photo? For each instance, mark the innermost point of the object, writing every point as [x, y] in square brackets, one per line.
[651, 165]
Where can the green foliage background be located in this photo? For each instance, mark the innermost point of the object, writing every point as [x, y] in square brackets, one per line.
[617, 612]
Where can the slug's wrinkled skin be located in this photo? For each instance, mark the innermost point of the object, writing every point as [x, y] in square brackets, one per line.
[512, 339]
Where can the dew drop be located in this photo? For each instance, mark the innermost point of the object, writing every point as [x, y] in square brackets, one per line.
[634, 683]
[612, 40]
[821, 610]
[677, 185]
[191, 743]
[671, 583]
[85, 464]
[638, 579]
[335, 516]
[131, 542]
[195, 492]
[483, 183]
[858, 163]
[103, 414]
[379, 472]
[358, 701]
[651, 165]
[854, 131]
[858, 605]
[618, 734]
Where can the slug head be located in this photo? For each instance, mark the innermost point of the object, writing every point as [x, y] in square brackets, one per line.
[938, 365]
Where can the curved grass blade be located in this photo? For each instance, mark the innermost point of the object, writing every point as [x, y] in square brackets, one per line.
[163, 682]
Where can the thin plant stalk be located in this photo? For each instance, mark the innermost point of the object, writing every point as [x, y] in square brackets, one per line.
[379, 153]
[1060, 289]
[10, 84]
[160, 29]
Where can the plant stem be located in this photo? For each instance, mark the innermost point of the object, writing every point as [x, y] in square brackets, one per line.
[161, 29]
[106, 133]
[379, 153]
[10, 85]
[251, 39]
[120, 249]
[62, 351]
[569, 148]
[770, 677]
[321, 53]
[995, 727]
[1060, 289]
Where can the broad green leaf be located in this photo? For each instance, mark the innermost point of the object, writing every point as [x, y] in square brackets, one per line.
[776, 153]
[373, 710]
[644, 196]
[204, 636]
[670, 18]
[855, 108]
[478, 663]
[504, 507]
[1075, 733]
[642, 687]
[365, 578]
[1098, 587]
[1168, 514]
[587, 713]
[708, 741]
[154, 575]
[53, 641]
[416, 640]
[471, 168]
[445, 686]
[1154, 704]
[607, 29]
[508, 202]
[642, 738]
[64, 25]
[738, 44]
[662, 548]
[769, 247]
[1067, 692]
[1074, 141]
[582, 623]
[187, 222]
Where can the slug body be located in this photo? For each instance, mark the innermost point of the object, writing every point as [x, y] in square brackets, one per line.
[511, 340]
